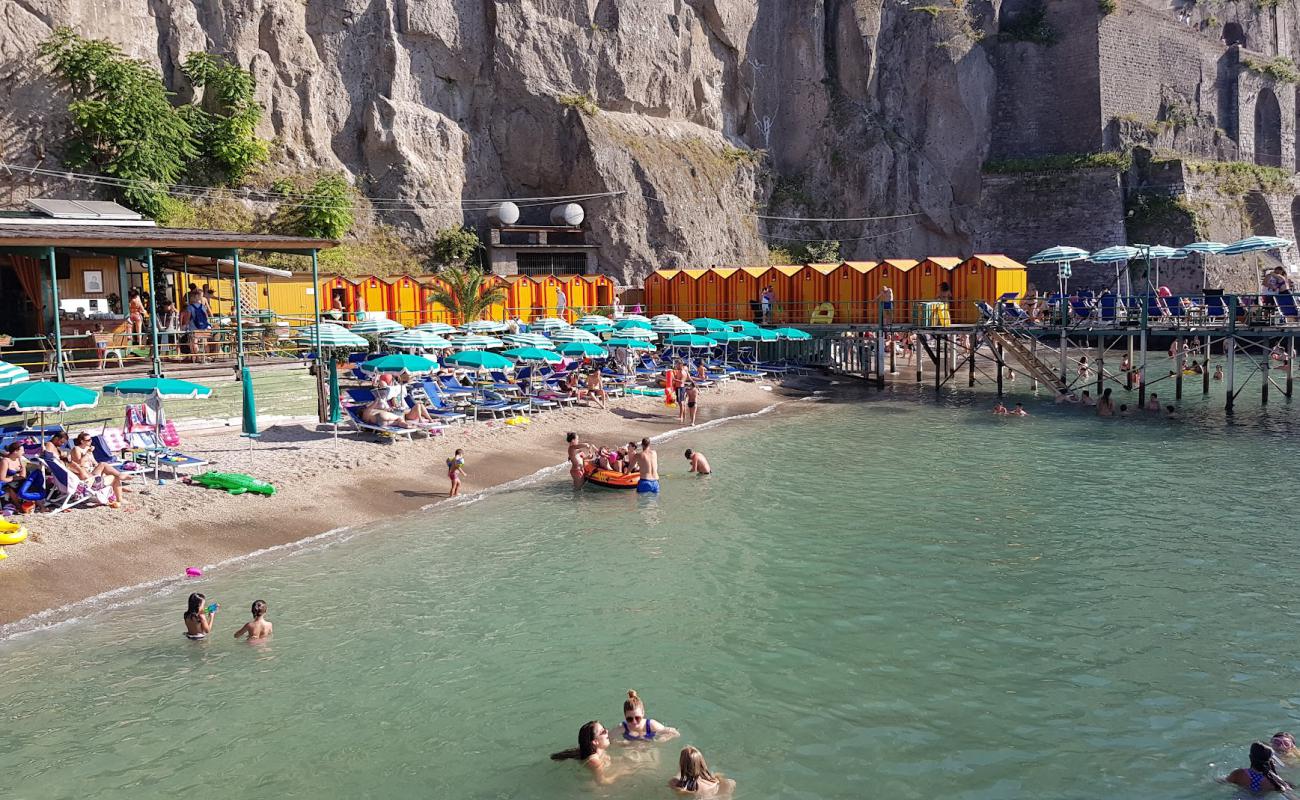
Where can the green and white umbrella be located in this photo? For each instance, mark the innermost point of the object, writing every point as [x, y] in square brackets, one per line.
[583, 349]
[624, 324]
[658, 317]
[46, 396]
[595, 327]
[708, 324]
[476, 342]
[440, 328]
[12, 373]
[377, 326]
[164, 388]
[479, 359]
[630, 344]
[416, 339]
[533, 354]
[574, 335]
[669, 327]
[638, 333]
[483, 326]
[763, 335]
[548, 325]
[633, 317]
[529, 340]
[400, 362]
[595, 319]
[792, 334]
[331, 335]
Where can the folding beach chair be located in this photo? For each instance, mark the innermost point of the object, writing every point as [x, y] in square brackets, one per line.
[1286, 306]
[392, 431]
[69, 490]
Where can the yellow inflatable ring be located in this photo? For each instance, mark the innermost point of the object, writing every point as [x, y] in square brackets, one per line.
[16, 536]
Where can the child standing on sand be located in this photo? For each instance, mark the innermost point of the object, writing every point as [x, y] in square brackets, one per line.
[259, 627]
[456, 471]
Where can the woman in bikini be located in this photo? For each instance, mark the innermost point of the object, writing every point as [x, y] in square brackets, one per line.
[198, 620]
[1261, 775]
[13, 471]
[592, 751]
[637, 727]
[82, 463]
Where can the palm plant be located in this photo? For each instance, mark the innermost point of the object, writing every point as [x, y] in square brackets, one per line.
[466, 293]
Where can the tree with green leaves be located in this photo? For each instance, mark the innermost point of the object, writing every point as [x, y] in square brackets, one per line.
[454, 246]
[123, 121]
[325, 210]
[225, 122]
[467, 294]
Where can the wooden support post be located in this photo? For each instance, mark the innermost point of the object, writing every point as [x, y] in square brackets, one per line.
[1205, 368]
[1033, 373]
[1101, 362]
[1002, 366]
[1263, 372]
[893, 352]
[1065, 347]
[970, 354]
[1290, 362]
[1142, 370]
[1230, 348]
[881, 343]
[1178, 368]
[938, 361]
[916, 354]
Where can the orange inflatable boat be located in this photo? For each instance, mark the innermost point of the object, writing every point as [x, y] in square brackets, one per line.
[610, 479]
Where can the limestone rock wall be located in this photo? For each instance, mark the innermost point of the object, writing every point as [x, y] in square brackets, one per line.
[866, 106]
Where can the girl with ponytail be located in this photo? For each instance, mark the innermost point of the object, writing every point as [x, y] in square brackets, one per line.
[593, 742]
[637, 727]
[1261, 775]
[694, 777]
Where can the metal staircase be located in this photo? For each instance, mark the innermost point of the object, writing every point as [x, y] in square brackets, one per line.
[1038, 369]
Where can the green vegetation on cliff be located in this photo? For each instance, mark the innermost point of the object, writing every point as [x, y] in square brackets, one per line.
[1064, 162]
[1280, 68]
[1239, 177]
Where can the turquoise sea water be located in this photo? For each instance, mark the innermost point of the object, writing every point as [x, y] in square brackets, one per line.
[887, 599]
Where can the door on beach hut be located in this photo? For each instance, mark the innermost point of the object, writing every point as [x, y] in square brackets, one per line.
[497, 310]
[923, 281]
[787, 289]
[372, 294]
[847, 288]
[580, 295]
[659, 292]
[404, 300]
[685, 288]
[743, 289]
[519, 297]
[546, 290]
[338, 289]
[984, 277]
[600, 289]
[712, 292]
[819, 287]
[891, 272]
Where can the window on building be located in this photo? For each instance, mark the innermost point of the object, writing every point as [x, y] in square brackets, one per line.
[552, 263]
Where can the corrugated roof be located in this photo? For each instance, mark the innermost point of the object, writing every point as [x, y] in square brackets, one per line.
[947, 262]
[998, 261]
[90, 237]
[901, 264]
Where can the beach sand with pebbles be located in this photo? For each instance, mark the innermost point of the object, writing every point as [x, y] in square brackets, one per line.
[322, 483]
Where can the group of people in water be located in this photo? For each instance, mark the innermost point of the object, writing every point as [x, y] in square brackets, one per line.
[633, 458]
[640, 731]
[1265, 762]
[200, 616]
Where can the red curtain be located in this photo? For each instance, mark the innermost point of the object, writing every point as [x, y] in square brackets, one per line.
[28, 270]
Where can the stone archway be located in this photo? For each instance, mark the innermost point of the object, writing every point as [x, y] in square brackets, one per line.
[1268, 129]
[1233, 33]
[1259, 215]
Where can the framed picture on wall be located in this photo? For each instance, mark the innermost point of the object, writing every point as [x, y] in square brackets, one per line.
[94, 281]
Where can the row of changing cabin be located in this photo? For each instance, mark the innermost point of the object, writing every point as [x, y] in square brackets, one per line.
[408, 298]
[850, 287]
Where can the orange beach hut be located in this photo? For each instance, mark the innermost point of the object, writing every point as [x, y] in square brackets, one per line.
[924, 279]
[984, 277]
[891, 272]
[658, 291]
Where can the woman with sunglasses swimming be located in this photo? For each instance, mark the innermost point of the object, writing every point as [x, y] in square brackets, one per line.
[637, 727]
[592, 751]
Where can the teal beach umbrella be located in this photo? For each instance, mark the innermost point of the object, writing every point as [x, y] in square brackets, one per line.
[730, 336]
[692, 340]
[583, 349]
[168, 388]
[379, 325]
[479, 359]
[533, 354]
[44, 396]
[249, 415]
[708, 324]
[400, 362]
[336, 407]
[631, 344]
[793, 334]
[624, 324]
[12, 373]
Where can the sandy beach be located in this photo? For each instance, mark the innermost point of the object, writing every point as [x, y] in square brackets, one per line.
[322, 483]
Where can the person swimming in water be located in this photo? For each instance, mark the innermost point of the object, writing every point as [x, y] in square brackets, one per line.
[592, 751]
[259, 627]
[578, 452]
[1261, 775]
[699, 464]
[637, 727]
[1284, 747]
[694, 777]
[198, 620]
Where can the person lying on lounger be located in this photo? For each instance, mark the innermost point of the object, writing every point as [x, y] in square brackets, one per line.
[376, 413]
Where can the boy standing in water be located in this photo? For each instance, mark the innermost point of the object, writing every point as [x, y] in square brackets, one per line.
[647, 463]
[456, 471]
[259, 627]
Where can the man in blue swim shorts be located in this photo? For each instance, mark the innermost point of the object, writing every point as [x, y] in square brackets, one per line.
[647, 463]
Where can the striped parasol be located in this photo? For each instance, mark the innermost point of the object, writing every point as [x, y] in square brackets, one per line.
[669, 327]
[548, 324]
[528, 340]
[484, 326]
[1110, 255]
[377, 325]
[12, 373]
[417, 340]
[574, 335]
[1061, 254]
[1255, 244]
[638, 333]
[331, 335]
[476, 342]
[1204, 248]
[595, 319]
[440, 328]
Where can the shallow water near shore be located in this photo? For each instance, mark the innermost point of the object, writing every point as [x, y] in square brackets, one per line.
[897, 598]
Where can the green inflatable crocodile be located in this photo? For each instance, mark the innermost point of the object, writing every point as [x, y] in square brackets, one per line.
[234, 483]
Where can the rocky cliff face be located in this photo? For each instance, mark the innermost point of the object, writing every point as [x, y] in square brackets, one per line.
[864, 108]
